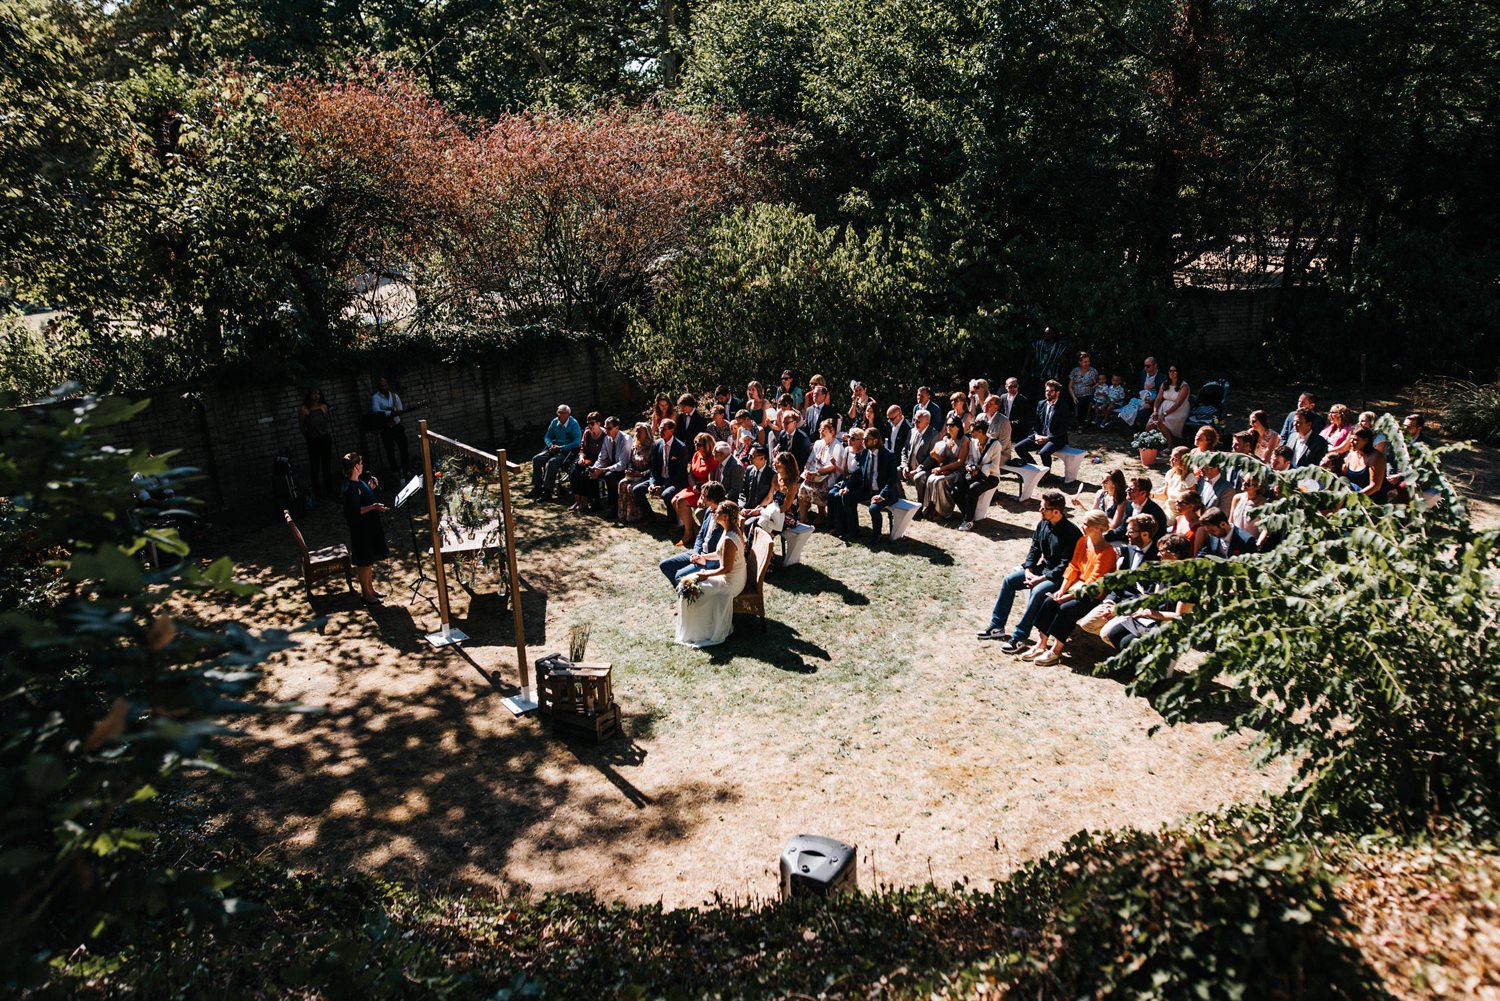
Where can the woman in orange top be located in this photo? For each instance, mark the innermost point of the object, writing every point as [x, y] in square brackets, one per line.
[1093, 557]
[701, 469]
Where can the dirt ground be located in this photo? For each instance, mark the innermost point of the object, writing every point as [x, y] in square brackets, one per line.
[867, 712]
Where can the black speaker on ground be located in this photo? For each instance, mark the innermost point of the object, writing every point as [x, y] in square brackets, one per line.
[814, 866]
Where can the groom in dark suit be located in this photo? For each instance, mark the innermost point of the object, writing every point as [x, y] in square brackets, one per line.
[700, 557]
[1051, 434]
[850, 491]
[669, 459]
[883, 479]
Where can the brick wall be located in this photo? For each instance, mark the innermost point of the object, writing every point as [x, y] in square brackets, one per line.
[233, 433]
[1226, 322]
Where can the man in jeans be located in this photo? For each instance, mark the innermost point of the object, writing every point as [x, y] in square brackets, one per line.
[1039, 574]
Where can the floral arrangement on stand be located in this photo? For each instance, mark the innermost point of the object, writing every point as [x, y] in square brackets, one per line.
[469, 502]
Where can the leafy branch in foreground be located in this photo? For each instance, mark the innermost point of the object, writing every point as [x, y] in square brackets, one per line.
[103, 694]
[1362, 647]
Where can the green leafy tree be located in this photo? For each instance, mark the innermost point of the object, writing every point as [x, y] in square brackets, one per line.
[766, 288]
[107, 694]
[1362, 647]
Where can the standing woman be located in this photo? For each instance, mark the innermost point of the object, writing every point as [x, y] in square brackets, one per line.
[1266, 441]
[366, 531]
[316, 428]
[1082, 382]
[1173, 402]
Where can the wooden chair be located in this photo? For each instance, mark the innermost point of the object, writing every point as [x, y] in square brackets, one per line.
[321, 563]
[752, 600]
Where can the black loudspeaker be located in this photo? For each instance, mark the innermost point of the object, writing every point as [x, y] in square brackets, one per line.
[813, 866]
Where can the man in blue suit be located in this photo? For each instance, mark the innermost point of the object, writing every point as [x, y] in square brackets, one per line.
[883, 479]
[850, 491]
[707, 543]
[669, 459]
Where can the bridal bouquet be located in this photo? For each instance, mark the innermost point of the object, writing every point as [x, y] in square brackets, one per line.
[689, 590]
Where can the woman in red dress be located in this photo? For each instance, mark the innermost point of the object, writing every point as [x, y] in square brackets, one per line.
[701, 468]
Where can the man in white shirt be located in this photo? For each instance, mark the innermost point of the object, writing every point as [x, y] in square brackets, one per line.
[387, 403]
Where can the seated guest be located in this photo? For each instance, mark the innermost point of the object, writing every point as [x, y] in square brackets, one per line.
[1217, 544]
[1190, 520]
[884, 482]
[661, 410]
[1248, 535]
[949, 455]
[1120, 632]
[601, 475]
[746, 434]
[1282, 458]
[1138, 491]
[706, 542]
[979, 392]
[1266, 440]
[790, 388]
[1016, 409]
[1173, 405]
[1365, 467]
[760, 481]
[998, 427]
[1113, 499]
[1340, 427]
[1414, 428]
[1093, 557]
[850, 490]
[1367, 420]
[637, 470]
[927, 403]
[669, 462]
[820, 410]
[1214, 488]
[690, 423]
[588, 454]
[897, 432]
[1333, 463]
[822, 465]
[856, 413]
[719, 424]
[700, 470]
[1308, 447]
[785, 484]
[792, 439]
[1308, 402]
[729, 470]
[959, 407]
[732, 404]
[1180, 477]
[917, 461]
[1139, 549]
[1039, 574]
[560, 446]
[1051, 431]
[1108, 399]
[755, 403]
[1205, 441]
[982, 471]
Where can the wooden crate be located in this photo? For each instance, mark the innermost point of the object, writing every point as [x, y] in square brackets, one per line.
[580, 695]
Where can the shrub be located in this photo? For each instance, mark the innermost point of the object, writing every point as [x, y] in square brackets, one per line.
[1362, 647]
[106, 694]
[1469, 410]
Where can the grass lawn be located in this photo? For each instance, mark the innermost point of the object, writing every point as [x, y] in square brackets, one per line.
[867, 711]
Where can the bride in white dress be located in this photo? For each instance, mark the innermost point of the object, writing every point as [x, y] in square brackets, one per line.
[709, 620]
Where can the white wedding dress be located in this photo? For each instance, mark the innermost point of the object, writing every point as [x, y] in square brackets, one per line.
[709, 620]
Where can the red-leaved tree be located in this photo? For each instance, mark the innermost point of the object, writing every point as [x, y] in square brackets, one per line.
[533, 217]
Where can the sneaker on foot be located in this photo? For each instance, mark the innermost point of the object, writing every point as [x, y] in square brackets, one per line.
[1013, 646]
[994, 633]
[965, 526]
